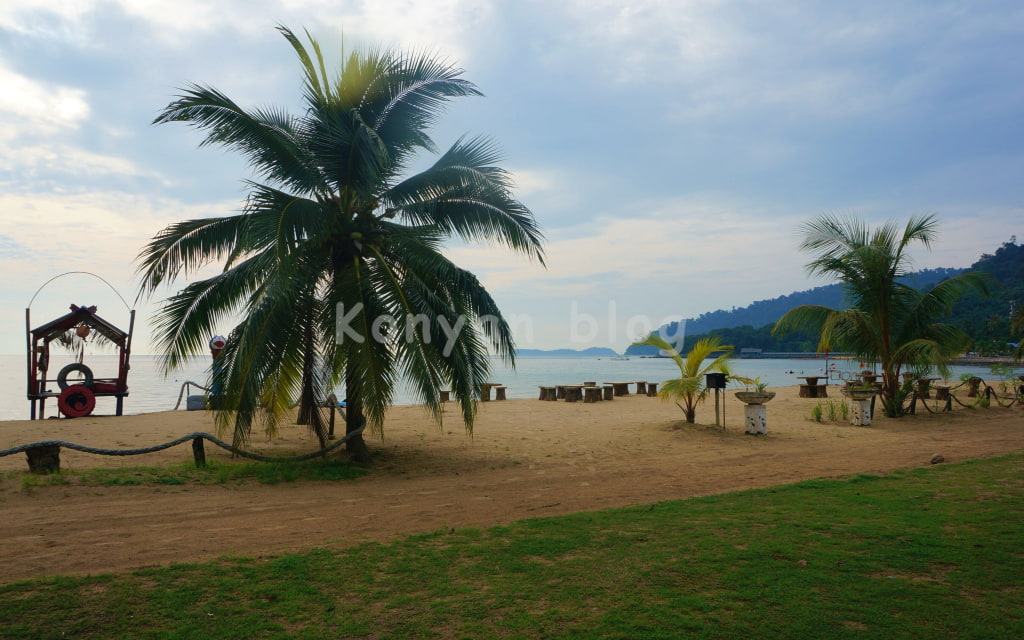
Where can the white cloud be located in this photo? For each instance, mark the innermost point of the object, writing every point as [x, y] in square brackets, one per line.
[60, 159]
[37, 108]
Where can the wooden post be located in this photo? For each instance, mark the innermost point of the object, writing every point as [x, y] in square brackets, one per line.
[717, 416]
[44, 459]
[198, 452]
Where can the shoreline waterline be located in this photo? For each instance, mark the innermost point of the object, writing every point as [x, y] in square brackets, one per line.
[151, 392]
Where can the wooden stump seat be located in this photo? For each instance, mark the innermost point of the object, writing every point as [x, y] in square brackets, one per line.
[499, 393]
[609, 392]
[591, 394]
[652, 389]
[641, 388]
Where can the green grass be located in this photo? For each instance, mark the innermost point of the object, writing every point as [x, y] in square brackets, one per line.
[929, 553]
[187, 473]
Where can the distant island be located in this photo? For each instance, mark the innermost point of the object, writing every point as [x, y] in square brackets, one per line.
[592, 352]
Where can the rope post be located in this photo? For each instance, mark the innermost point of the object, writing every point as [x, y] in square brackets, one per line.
[198, 452]
[43, 459]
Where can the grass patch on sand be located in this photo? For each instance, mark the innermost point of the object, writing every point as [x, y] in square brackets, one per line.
[215, 472]
[929, 553]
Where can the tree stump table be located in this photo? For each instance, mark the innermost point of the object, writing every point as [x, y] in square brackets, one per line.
[620, 388]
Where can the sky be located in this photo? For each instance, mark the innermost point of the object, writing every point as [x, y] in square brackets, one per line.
[670, 150]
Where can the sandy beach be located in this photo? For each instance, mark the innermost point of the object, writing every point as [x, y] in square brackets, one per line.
[525, 459]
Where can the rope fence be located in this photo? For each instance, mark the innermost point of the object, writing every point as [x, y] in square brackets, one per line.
[44, 456]
[980, 389]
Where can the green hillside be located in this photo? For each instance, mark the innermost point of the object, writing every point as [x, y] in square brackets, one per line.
[986, 320]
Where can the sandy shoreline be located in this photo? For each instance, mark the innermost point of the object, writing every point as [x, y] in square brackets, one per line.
[526, 458]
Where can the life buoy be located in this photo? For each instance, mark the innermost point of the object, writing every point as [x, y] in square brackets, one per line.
[76, 401]
[62, 377]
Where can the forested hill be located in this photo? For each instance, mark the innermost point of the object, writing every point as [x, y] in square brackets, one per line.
[764, 312]
[985, 320]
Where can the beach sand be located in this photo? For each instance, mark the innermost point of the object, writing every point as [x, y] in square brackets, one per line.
[526, 459]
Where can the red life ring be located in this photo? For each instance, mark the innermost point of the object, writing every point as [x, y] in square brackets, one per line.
[77, 401]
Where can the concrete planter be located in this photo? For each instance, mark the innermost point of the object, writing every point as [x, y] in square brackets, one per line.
[755, 397]
[859, 394]
[755, 414]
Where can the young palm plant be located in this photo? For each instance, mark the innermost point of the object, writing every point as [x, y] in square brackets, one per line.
[888, 322]
[689, 388]
[334, 264]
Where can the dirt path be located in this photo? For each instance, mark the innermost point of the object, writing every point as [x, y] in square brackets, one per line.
[527, 459]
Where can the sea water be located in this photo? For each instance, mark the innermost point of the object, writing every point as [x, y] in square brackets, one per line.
[150, 390]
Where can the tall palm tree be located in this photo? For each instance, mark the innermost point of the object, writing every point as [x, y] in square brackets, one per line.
[689, 387]
[888, 322]
[335, 262]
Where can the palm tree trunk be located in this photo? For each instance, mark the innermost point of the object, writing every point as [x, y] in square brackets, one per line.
[307, 399]
[890, 393]
[354, 418]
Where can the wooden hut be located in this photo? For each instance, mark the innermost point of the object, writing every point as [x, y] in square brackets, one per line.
[78, 399]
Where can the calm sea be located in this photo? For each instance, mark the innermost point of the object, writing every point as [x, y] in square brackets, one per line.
[150, 391]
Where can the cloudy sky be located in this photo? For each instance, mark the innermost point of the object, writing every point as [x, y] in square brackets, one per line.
[669, 148]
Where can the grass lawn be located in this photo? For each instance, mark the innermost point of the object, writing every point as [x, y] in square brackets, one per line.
[928, 553]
